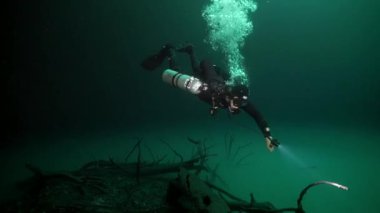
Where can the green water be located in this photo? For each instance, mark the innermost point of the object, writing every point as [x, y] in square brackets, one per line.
[75, 92]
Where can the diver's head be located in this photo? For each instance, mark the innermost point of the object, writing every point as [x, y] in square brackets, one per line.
[239, 93]
[237, 96]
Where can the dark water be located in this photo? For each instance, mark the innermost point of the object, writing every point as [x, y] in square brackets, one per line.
[74, 91]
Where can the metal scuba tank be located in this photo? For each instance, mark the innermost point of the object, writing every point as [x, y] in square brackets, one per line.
[182, 81]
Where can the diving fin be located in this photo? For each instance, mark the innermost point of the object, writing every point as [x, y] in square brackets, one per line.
[154, 61]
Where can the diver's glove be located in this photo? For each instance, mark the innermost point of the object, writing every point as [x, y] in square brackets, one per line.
[271, 143]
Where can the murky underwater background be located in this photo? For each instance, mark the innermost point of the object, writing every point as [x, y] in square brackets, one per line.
[75, 92]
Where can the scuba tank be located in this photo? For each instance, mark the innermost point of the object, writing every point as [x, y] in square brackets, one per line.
[183, 81]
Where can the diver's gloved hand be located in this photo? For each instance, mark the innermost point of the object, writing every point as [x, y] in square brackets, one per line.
[271, 143]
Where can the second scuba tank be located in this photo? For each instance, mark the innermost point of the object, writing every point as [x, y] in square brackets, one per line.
[182, 81]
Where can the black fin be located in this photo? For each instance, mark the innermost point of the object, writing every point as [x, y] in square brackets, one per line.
[153, 61]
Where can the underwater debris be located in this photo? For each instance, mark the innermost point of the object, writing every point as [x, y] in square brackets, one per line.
[111, 186]
[173, 150]
[196, 142]
[232, 153]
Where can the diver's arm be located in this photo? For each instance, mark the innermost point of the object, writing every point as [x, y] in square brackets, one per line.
[260, 121]
[262, 124]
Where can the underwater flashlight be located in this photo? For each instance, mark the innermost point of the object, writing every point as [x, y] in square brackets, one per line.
[275, 143]
[272, 143]
[182, 81]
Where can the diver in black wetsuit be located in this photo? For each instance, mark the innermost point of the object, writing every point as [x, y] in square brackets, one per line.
[212, 87]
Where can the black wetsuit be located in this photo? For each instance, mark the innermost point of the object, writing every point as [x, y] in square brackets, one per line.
[207, 73]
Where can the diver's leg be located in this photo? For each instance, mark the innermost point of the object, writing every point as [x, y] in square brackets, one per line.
[194, 62]
[172, 64]
[205, 70]
[209, 73]
[168, 51]
[189, 49]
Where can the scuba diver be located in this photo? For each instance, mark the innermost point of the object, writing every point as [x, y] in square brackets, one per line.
[209, 83]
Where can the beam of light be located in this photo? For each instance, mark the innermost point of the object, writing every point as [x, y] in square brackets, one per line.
[288, 153]
[229, 25]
